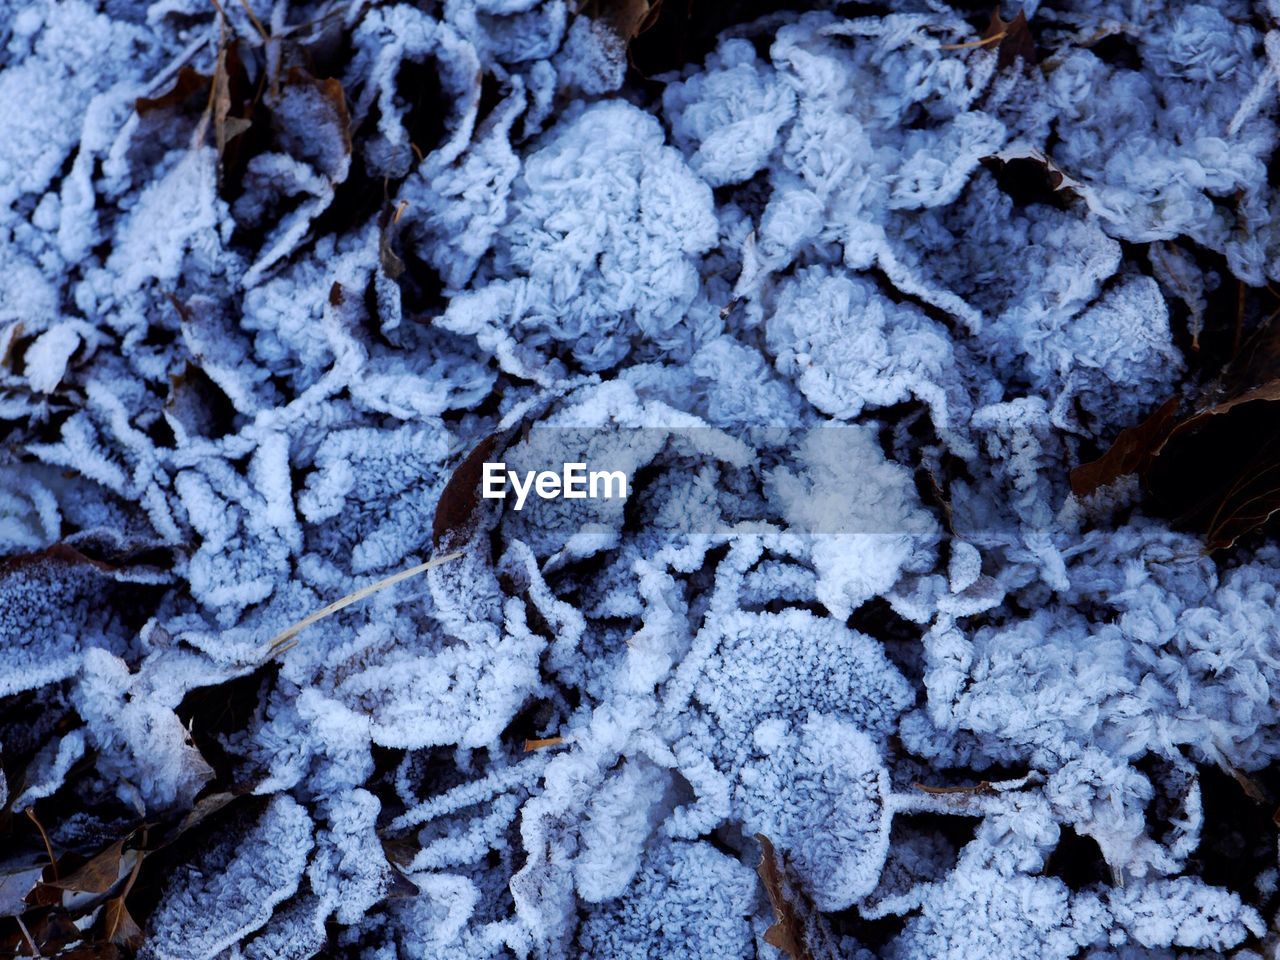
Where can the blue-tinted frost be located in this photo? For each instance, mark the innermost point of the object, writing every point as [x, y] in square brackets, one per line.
[846, 298]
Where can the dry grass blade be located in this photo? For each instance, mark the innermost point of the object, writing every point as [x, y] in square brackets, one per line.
[48, 847]
[531, 745]
[985, 41]
[281, 641]
[26, 935]
[983, 787]
[257, 24]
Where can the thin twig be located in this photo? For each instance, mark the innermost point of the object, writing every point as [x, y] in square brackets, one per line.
[281, 641]
[48, 847]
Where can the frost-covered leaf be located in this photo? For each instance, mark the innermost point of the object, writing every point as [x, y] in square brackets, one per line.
[233, 888]
[820, 790]
[688, 899]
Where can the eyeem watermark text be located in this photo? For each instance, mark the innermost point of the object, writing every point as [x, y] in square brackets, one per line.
[573, 482]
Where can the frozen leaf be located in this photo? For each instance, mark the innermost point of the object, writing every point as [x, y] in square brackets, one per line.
[688, 899]
[233, 887]
[820, 789]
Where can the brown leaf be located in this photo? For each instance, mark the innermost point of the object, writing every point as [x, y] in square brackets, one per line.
[454, 520]
[188, 83]
[392, 264]
[1217, 470]
[51, 930]
[1131, 452]
[1250, 502]
[118, 926]
[226, 126]
[626, 18]
[92, 951]
[1014, 39]
[787, 932]
[59, 553]
[1267, 391]
[9, 336]
[400, 887]
[99, 875]
[400, 851]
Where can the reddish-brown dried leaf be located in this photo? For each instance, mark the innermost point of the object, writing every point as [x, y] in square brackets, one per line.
[1015, 40]
[1130, 453]
[454, 520]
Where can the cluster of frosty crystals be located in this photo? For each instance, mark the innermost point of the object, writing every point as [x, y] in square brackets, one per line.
[802, 231]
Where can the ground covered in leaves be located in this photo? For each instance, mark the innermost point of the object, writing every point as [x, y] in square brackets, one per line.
[940, 346]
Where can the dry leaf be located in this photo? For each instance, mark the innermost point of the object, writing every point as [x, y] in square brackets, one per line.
[226, 126]
[454, 520]
[626, 18]
[1014, 39]
[331, 94]
[787, 932]
[1055, 178]
[392, 264]
[188, 83]
[1131, 452]
[118, 926]
[99, 875]
[531, 745]
[1217, 470]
